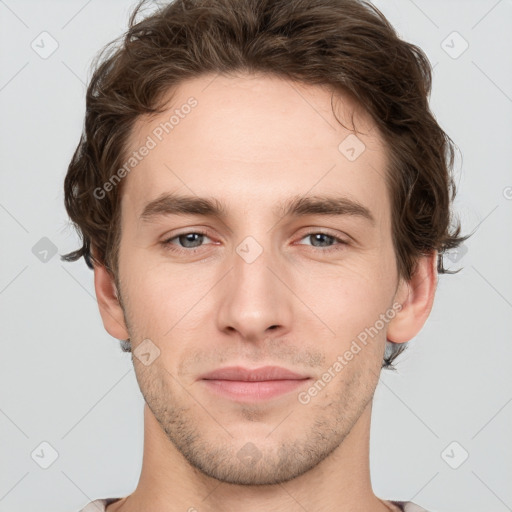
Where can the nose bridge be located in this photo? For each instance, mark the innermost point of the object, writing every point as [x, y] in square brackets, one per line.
[253, 298]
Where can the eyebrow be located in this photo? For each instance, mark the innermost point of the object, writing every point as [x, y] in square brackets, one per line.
[296, 206]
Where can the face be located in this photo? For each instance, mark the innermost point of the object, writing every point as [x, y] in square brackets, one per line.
[268, 280]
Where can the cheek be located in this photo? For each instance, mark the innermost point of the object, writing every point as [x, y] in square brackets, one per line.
[350, 297]
[162, 295]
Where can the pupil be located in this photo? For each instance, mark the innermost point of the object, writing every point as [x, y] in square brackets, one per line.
[186, 239]
[318, 237]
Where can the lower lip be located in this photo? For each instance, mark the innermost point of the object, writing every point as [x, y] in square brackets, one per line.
[254, 391]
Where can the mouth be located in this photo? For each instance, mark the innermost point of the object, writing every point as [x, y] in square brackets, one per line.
[244, 384]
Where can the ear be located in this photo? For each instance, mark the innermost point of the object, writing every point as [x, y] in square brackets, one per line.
[417, 298]
[108, 302]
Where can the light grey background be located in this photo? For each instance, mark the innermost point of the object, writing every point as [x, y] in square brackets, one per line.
[65, 381]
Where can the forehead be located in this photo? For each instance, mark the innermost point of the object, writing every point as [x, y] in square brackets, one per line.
[256, 138]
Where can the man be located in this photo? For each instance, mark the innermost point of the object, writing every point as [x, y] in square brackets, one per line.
[264, 196]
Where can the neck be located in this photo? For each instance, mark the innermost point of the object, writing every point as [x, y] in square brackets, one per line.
[168, 483]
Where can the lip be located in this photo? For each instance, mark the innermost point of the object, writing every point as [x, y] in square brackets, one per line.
[252, 385]
[265, 373]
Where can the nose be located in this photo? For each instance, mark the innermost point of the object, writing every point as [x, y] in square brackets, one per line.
[255, 300]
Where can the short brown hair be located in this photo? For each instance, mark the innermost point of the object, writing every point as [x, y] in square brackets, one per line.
[347, 45]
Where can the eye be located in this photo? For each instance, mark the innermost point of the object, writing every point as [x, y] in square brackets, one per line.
[188, 241]
[320, 240]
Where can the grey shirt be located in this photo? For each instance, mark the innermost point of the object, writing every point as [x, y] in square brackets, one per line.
[100, 505]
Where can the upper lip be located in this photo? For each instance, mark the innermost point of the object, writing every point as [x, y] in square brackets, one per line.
[255, 374]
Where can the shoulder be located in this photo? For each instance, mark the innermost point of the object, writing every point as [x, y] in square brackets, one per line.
[409, 506]
[98, 505]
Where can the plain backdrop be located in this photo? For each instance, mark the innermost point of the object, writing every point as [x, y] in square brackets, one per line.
[69, 399]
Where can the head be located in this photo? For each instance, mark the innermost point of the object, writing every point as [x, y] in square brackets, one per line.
[264, 114]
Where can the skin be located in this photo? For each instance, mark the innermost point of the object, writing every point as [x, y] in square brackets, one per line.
[251, 142]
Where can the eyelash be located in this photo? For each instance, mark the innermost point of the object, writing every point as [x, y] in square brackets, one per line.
[171, 247]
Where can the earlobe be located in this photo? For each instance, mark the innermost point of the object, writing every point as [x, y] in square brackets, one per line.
[110, 309]
[417, 298]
